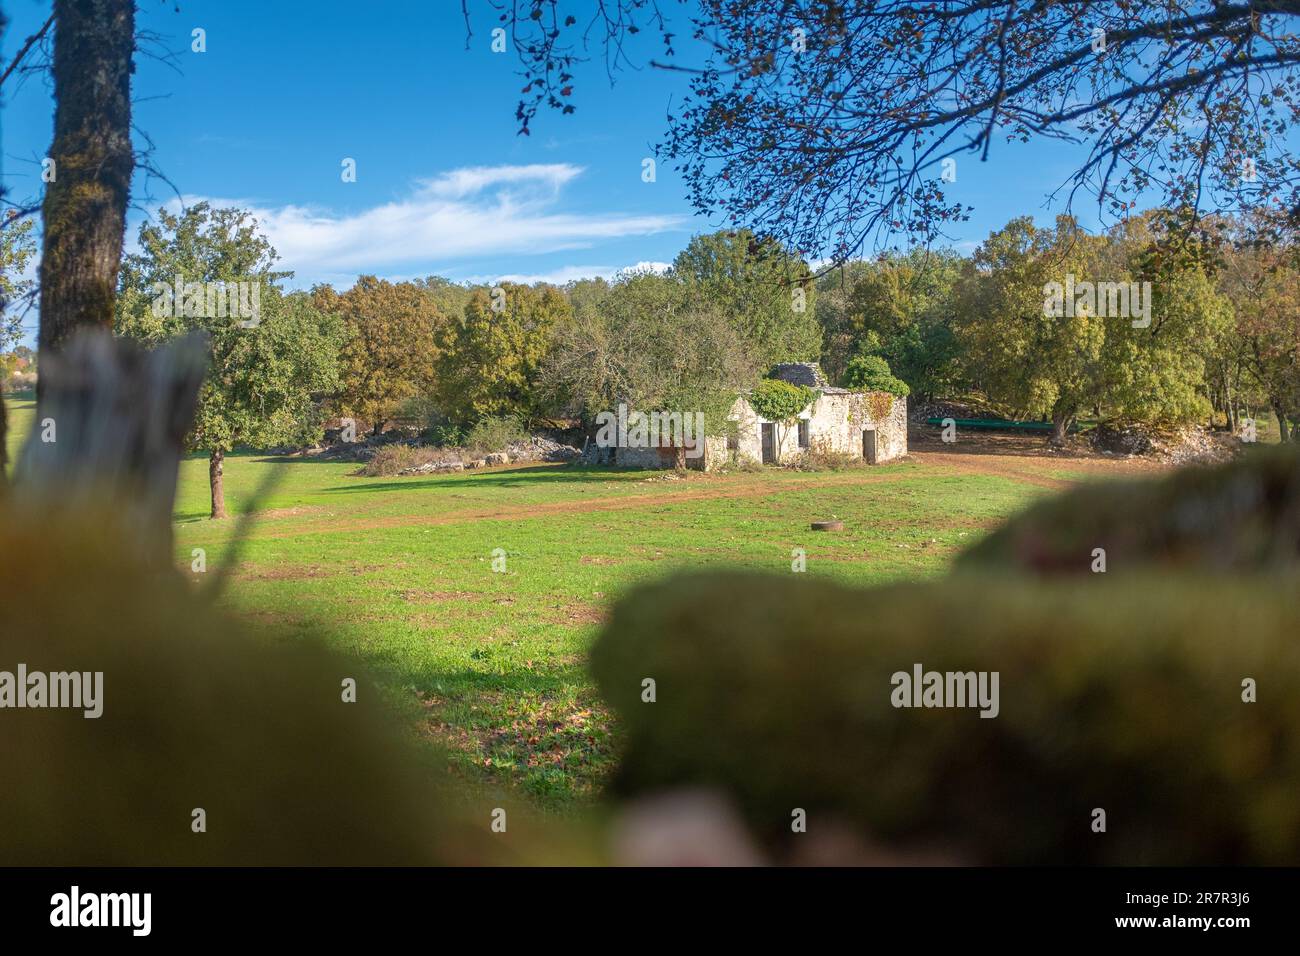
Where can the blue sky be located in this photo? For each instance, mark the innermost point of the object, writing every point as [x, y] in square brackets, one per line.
[287, 89]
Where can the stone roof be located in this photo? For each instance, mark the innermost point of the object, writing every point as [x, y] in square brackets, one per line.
[808, 374]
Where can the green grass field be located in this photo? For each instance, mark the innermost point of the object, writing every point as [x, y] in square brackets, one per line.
[400, 571]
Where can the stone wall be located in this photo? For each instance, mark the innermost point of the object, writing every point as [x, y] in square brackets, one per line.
[714, 456]
[749, 436]
[836, 421]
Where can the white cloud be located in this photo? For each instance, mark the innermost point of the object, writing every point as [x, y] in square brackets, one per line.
[572, 273]
[467, 213]
[469, 180]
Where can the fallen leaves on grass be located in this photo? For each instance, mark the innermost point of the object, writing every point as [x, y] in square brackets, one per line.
[516, 737]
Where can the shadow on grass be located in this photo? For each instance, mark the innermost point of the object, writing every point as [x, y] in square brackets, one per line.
[550, 474]
[973, 442]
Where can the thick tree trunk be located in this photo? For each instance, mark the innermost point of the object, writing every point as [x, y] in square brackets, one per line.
[1062, 418]
[118, 418]
[4, 437]
[1283, 431]
[216, 479]
[4, 424]
[85, 199]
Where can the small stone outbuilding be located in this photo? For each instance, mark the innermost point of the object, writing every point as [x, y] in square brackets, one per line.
[870, 425]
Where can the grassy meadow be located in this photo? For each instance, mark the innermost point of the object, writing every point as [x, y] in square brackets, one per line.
[491, 663]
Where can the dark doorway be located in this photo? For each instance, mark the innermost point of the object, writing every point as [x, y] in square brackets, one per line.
[769, 442]
[869, 445]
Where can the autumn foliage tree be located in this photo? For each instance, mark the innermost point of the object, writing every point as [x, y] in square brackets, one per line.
[1262, 281]
[391, 351]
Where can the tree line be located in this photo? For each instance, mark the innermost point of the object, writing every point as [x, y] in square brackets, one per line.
[1220, 331]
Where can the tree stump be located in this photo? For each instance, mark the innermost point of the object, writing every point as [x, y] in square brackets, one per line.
[110, 429]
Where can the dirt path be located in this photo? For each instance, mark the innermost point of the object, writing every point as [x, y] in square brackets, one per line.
[1013, 459]
[708, 488]
[1032, 470]
[1021, 458]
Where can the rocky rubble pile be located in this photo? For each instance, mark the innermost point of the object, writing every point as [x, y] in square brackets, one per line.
[541, 448]
[923, 411]
[1180, 446]
[433, 459]
[1120, 439]
[1196, 444]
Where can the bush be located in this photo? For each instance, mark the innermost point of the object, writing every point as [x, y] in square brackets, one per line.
[870, 373]
[1120, 691]
[820, 457]
[1116, 692]
[446, 435]
[495, 433]
[393, 459]
[780, 401]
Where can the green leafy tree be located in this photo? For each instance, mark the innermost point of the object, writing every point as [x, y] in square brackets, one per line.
[906, 301]
[586, 295]
[1156, 374]
[766, 292]
[780, 403]
[1037, 363]
[449, 297]
[837, 315]
[268, 372]
[16, 250]
[17, 247]
[654, 346]
[490, 363]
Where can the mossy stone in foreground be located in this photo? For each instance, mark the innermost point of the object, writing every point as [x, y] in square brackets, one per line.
[196, 713]
[1123, 694]
[1242, 514]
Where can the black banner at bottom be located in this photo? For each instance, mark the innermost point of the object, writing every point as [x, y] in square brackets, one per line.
[333, 905]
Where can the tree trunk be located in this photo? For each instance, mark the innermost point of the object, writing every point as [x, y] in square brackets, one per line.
[85, 200]
[216, 479]
[4, 437]
[1282, 429]
[1062, 417]
[121, 414]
